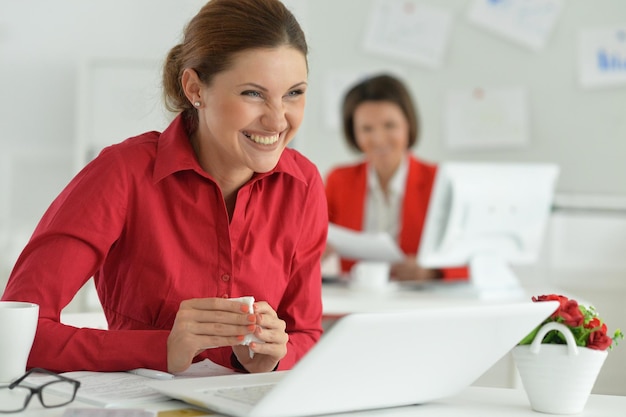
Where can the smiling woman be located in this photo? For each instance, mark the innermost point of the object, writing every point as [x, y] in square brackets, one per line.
[257, 106]
[172, 224]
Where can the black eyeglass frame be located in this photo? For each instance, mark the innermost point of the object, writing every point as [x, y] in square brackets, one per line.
[37, 390]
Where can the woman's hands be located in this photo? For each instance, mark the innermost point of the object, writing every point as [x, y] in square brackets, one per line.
[271, 330]
[409, 270]
[204, 323]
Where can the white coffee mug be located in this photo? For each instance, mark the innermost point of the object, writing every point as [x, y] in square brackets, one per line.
[370, 275]
[18, 323]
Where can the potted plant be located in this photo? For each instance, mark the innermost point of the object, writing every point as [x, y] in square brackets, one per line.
[560, 359]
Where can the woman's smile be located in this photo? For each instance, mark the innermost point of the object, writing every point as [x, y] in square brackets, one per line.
[262, 139]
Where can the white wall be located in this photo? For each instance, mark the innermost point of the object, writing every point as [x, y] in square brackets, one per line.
[582, 130]
[42, 45]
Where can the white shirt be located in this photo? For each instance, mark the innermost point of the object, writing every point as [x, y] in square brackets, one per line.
[383, 214]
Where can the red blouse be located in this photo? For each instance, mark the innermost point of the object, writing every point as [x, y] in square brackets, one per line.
[151, 227]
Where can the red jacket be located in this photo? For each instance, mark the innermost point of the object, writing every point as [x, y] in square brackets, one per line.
[346, 188]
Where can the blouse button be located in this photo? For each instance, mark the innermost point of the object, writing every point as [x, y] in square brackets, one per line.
[225, 277]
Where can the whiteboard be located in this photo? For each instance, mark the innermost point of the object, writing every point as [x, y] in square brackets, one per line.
[582, 129]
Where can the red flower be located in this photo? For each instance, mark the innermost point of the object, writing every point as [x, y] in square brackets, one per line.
[551, 297]
[571, 314]
[593, 323]
[596, 323]
[586, 327]
[599, 340]
[568, 309]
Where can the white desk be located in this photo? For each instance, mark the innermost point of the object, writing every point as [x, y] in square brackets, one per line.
[473, 402]
[340, 299]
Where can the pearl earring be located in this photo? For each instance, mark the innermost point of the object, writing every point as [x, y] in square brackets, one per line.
[197, 103]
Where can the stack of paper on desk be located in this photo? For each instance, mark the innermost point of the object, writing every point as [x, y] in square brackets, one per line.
[116, 389]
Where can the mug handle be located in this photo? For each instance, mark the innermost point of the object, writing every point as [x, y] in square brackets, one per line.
[569, 337]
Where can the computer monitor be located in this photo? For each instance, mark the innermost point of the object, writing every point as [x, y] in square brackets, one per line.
[488, 216]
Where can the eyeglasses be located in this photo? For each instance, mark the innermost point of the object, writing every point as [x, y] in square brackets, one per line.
[56, 391]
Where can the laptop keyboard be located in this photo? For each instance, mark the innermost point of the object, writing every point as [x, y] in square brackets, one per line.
[249, 395]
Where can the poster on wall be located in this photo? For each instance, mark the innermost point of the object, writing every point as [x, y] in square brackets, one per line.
[602, 57]
[482, 118]
[412, 32]
[526, 22]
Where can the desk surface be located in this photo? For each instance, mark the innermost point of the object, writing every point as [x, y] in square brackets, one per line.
[473, 402]
[339, 298]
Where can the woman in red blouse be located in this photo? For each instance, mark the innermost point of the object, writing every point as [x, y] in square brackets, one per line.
[172, 224]
[389, 190]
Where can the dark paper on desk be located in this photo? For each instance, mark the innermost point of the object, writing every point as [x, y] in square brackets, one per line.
[351, 244]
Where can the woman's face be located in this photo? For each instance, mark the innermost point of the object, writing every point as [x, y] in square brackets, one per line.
[382, 133]
[251, 111]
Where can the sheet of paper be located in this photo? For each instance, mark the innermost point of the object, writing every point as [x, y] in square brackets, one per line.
[526, 22]
[602, 57]
[106, 389]
[486, 118]
[204, 368]
[407, 30]
[108, 412]
[363, 246]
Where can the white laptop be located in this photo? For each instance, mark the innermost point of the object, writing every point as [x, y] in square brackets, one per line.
[374, 360]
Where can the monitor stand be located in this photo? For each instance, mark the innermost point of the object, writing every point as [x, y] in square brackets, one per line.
[492, 278]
